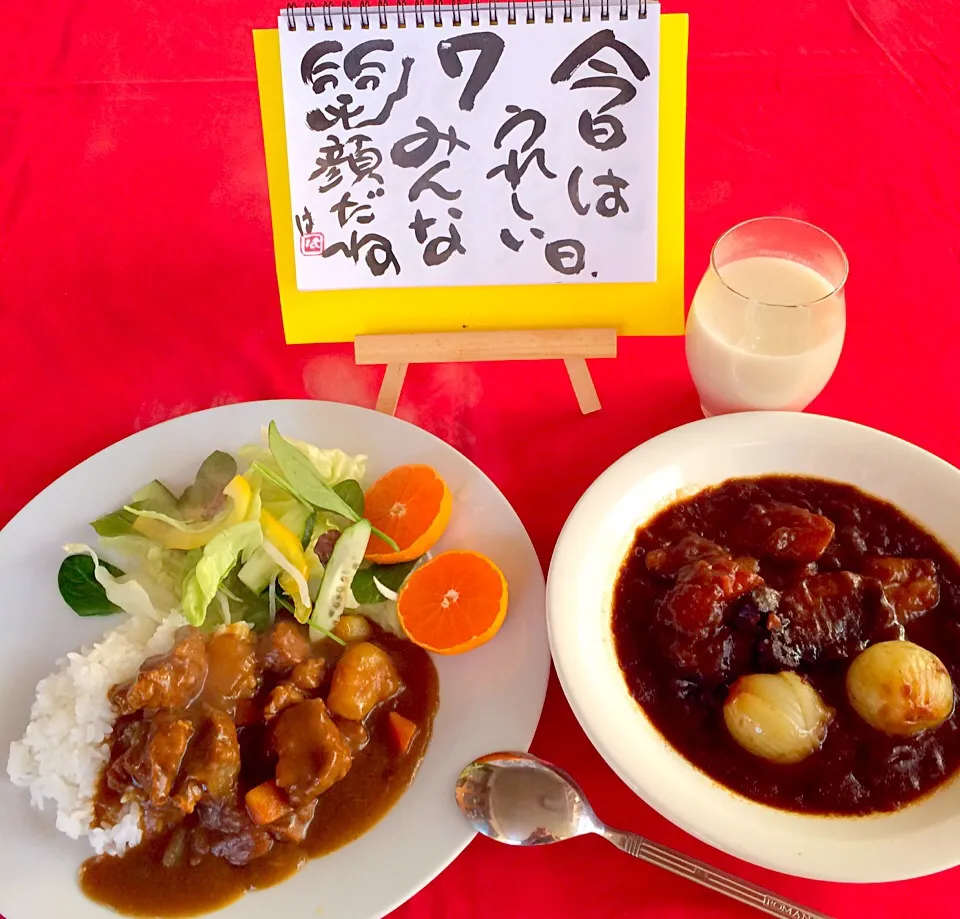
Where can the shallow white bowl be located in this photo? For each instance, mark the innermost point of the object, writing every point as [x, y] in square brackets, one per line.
[922, 838]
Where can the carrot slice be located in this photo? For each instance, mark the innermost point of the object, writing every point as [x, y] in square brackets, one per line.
[403, 730]
[266, 803]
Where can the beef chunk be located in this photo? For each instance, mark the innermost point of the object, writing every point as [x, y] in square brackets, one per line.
[787, 533]
[230, 834]
[909, 584]
[282, 696]
[696, 605]
[171, 680]
[130, 737]
[293, 827]
[284, 646]
[691, 548]
[826, 617]
[212, 766]
[354, 733]
[242, 848]
[308, 675]
[752, 610]
[711, 661]
[155, 763]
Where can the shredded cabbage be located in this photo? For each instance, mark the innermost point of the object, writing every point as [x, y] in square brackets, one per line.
[160, 571]
[272, 600]
[224, 608]
[384, 590]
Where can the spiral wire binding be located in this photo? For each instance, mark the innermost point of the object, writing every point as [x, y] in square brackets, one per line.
[493, 9]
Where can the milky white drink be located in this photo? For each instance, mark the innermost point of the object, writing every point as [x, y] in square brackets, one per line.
[744, 352]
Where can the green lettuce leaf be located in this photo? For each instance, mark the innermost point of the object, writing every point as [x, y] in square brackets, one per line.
[219, 557]
[154, 496]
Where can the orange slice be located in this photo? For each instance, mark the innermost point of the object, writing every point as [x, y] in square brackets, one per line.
[453, 603]
[412, 505]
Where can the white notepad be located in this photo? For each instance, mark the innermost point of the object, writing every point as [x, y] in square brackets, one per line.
[469, 149]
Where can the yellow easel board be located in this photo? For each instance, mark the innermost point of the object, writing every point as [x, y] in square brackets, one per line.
[632, 309]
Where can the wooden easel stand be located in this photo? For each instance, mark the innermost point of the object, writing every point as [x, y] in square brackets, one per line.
[572, 346]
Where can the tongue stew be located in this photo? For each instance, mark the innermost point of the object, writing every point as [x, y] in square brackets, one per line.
[742, 620]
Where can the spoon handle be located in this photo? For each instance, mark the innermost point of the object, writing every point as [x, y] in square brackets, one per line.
[702, 873]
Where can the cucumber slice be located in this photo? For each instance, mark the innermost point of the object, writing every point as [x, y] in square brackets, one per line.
[258, 571]
[338, 576]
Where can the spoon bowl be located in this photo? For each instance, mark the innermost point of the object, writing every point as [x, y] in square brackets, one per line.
[520, 800]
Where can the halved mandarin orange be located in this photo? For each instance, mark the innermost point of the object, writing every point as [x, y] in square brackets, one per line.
[453, 603]
[412, 505]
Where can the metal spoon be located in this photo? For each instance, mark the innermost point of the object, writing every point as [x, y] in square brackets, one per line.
[520, 800]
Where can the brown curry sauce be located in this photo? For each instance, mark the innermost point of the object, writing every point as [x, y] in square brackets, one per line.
[859, 770]
[138, 884]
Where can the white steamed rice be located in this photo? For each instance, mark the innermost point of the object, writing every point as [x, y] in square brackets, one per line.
[64, 747]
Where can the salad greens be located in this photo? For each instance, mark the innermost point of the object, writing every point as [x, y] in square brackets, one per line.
[205, 498]
[390, 576]
[159, 570]
[123, 591]
[305, 479]
[245, 537]
[218, 560]
[154, 496]
[81, 589]
[113, 525]
[352, 494]
[308, 527]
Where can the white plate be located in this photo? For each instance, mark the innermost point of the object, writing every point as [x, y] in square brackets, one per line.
[490, 699]
[918, 840]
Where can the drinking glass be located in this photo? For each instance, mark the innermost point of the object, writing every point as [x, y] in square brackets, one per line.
[767, 322]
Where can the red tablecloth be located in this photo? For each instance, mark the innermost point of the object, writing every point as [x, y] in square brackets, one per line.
[137, 283]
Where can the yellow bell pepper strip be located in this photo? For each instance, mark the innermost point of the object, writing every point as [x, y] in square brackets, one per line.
[288, 545]
[172, 537]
